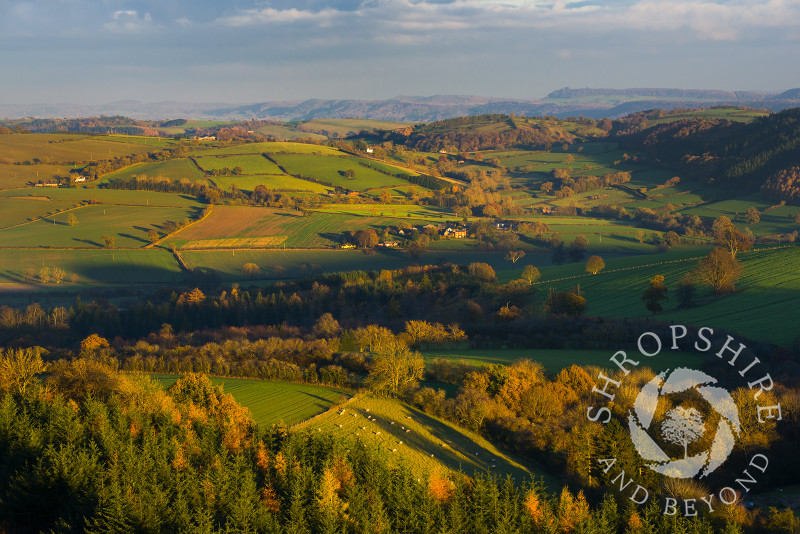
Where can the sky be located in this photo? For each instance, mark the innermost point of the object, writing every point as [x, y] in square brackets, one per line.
[242, 51]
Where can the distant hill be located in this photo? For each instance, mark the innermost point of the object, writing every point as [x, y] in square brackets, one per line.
[566, 102]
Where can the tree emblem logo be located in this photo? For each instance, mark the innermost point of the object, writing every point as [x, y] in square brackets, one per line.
[683, 426]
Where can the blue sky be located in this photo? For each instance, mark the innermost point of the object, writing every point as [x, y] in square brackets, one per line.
[99, 51]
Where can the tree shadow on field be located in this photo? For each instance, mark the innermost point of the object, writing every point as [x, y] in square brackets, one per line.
[135, 238]
[142, 229]
[88, 242]
[55, 222]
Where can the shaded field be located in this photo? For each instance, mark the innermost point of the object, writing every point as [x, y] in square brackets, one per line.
[763, 308]
[21, 175]
[176, 169]
[333, 170]
[101, 266]
[19, 209]
[271, 402]
[273, 148]
[401, 434]
[106, 196]
[128, 224]
[280, 182]
[73, 147]
[317, 230]
[554, 361]
[251, 164]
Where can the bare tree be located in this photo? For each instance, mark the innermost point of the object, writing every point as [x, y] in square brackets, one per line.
[514, 255]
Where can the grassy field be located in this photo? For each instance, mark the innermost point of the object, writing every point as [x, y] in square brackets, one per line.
[274, 148]
[271, 402]
[318, 230]
[106, 196]
[250, 164]
[277, 182]
[333, 169]
[128, 225]
[402, 434]
[555, 360]
[101, 266]
[12, 176]
[73, 147]
[762, 308]
[176, 169]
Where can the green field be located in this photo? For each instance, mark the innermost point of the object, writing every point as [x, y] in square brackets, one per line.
[273, 148]
[763, 307]
[106, 196]
[176, 169]
[429, 444]
[277, 182]
[94, 267]
[128, 224]
[74, 147]
[272, 402]
[553, 360]
[12, 176]
[333, 169]
[250, 164]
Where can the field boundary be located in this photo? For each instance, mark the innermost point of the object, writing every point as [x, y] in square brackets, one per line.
[179, 230]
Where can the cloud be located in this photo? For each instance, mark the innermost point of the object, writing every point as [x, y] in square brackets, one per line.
[129, 21]
[251, 17]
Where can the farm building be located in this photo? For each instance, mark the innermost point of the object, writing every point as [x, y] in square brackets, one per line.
[454, 233]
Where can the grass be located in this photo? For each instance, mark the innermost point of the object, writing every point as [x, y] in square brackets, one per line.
[72, 148]
[106, 196]
[274, 148]
[128, 224]
[13, 176]
[554, 360]
[250, 164]
[430, 445]
[272, 402]
[176, 169]
[279, 182]
[101, 266]
[319, 230]
[763, 308]
[333, 169]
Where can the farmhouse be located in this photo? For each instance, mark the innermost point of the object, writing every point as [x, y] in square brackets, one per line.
[369, 150]
[454, 233]
[389, 244]
[348, 245]
[80, 179]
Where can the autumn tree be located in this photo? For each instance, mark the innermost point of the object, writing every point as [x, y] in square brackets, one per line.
[108, 241]
[482, 272]
[251, 270]
[654, 294]
[530, 274]
[395, 368]
[514, 255]
[595, 264]
[719, 270]
[153, 236]
[729, 237]
[752, 215]
[565, 303]
[19, 369]
[366, 238]
[72, 220]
